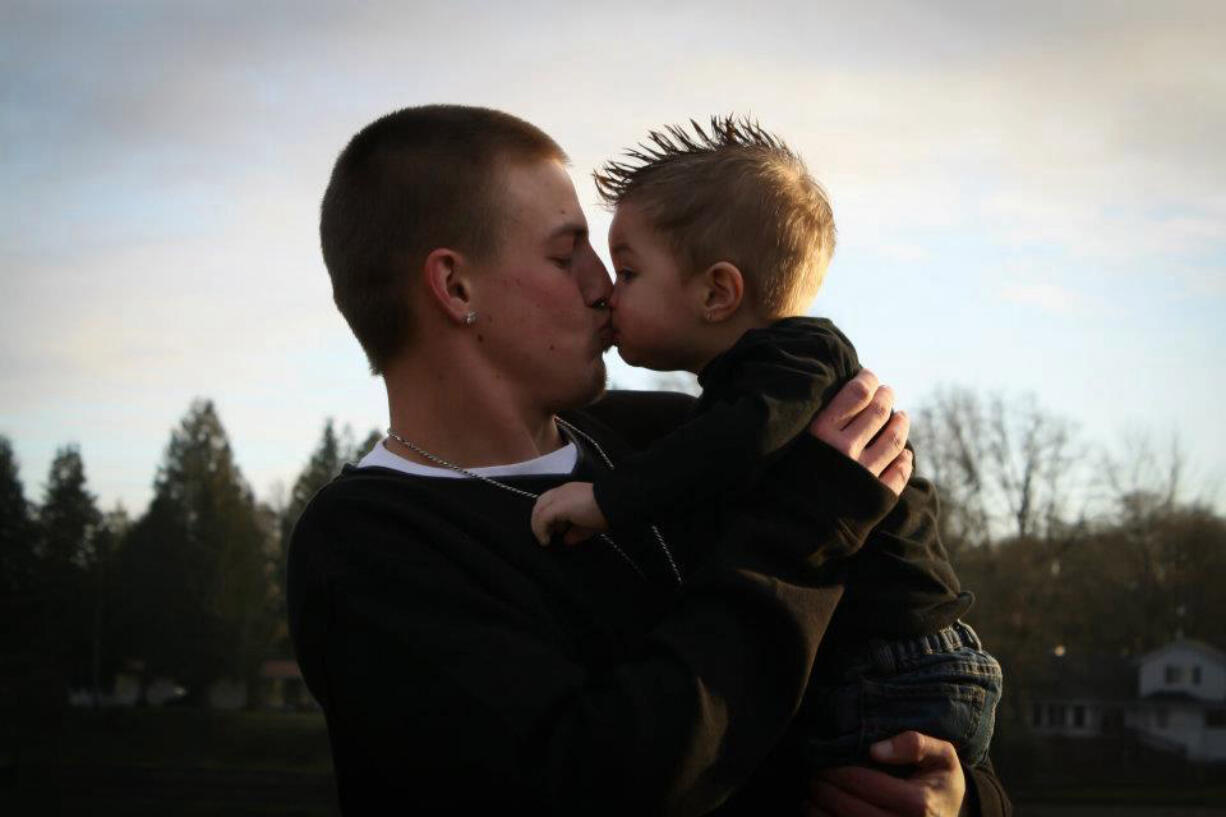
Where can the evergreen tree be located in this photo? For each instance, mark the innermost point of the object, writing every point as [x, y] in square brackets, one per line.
[69, 523]
[332, 452]
[197, 562]
[103, 597]
[18, 596]
[325, 462]
[31, 691]
[359, 450]
[17, 541]
[69, 517]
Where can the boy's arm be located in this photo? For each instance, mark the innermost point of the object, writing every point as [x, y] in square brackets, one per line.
[752, 408]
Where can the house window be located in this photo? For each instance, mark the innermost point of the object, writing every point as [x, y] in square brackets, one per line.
[1055, 715]
[1196, 675]
[1174, 674]
[1215, 718]
[1079, 716]
[1162, 718]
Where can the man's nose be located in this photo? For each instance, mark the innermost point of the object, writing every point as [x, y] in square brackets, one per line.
[594, 280]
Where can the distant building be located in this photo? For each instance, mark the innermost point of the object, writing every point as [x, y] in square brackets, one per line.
[284, 687]
[1173, 698]
[1083, 696]
[280, 682]
[1183, 699]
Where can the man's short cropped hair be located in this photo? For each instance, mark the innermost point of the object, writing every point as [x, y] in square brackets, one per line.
[407, 184]
[731, 192]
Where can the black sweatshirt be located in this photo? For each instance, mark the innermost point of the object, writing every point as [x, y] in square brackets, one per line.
[757, 398]
[462, 667]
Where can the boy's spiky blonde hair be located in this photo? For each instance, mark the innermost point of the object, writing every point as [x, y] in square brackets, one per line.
[731, 192]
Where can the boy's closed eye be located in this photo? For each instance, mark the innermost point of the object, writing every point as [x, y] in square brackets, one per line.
[625, 274]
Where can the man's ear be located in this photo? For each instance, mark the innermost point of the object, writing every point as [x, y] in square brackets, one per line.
[723, 289]
[447, 282]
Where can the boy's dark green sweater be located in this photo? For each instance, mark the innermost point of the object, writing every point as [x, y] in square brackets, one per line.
[464, 669]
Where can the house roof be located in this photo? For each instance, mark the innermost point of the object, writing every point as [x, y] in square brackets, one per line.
[1175, 695]
[1187, 643]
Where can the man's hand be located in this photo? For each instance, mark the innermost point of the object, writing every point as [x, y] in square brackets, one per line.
[858, 422]
[570, 510]
[936, 788]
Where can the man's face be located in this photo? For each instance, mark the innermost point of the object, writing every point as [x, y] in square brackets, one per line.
[539, 312]
[653, 301]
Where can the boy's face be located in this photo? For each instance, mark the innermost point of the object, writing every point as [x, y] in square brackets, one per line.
[655, 315]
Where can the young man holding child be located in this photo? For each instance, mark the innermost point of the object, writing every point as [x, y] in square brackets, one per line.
[463, 668]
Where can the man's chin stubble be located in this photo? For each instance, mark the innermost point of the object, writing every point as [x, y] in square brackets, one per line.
[600, 386]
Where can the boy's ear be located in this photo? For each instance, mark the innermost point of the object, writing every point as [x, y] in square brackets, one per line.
[723, 289]
[448, 283]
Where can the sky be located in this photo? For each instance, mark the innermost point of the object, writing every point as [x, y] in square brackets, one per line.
[1031, 198]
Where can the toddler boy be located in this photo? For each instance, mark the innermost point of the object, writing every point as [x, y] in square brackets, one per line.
[720, 241]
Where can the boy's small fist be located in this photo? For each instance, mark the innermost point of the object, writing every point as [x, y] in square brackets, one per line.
[570, 510]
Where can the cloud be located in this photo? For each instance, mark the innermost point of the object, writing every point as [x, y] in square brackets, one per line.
[165, 162]
[1050, 298]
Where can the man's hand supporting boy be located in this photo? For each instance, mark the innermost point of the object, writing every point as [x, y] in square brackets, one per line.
[936, 787]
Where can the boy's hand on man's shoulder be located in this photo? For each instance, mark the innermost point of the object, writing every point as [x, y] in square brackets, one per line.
[859, 422]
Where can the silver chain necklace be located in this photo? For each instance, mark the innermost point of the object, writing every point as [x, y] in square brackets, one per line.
[604, 537]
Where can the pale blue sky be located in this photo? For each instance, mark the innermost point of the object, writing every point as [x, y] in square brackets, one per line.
[1029, 196]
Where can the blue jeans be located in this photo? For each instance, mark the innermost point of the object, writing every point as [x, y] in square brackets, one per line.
[942, 684]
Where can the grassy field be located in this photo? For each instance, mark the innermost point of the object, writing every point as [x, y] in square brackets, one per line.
[185, 762]
[1093, 776]
[181, 762]
[1116, 810]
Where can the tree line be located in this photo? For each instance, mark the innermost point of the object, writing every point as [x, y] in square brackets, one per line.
[1081, 559]
[192, 589]
[1070, 552]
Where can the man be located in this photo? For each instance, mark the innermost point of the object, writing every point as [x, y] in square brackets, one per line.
[461, 666]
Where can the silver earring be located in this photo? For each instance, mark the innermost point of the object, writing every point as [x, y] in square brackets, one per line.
[470, 318]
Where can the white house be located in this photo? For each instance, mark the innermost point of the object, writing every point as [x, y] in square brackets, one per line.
[1182, 702]
[1175, 699]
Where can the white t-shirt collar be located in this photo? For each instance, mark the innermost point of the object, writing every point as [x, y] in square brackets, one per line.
[561, 461]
